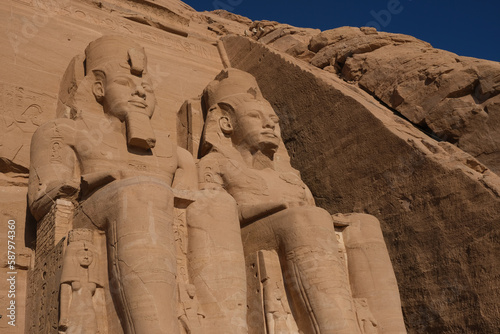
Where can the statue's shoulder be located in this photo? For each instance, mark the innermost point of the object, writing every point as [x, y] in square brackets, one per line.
[213, 157]
[58, 122]
[211, 163]
[59, 127]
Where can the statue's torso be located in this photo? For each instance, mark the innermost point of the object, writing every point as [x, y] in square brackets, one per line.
[251, 186]
[104, 150]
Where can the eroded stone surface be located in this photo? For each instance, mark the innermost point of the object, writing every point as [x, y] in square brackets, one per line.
[13, 208]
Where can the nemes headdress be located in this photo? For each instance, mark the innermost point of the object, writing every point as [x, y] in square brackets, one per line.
[231, 83]
[115, 53]
[231, 87]
[115, 50]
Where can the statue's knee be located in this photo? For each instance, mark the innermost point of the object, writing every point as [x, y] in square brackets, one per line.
[215, 196]
[213, 209]
[362, 228]
[362, 219]
[82, 219]
[213, 201]
[309, 217]
[308, 226]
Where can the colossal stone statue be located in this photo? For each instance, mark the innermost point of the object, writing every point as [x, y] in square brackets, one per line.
[103, 154]
[244, 168]
[275, 208]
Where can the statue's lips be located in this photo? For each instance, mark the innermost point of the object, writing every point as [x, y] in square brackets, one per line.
[268, 133]
[138, 103]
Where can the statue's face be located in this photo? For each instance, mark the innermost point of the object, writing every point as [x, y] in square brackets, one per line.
[125, 93]
[256, 126]
[85, 257]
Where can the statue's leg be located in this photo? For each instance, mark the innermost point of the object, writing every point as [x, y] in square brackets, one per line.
[141, 252]
[371, 274]
[216, 262]
[314, 274]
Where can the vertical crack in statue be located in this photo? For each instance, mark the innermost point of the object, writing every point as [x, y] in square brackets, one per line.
[103, 154]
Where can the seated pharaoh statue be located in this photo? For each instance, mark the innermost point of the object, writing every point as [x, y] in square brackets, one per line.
[256, 203]
[103, 155]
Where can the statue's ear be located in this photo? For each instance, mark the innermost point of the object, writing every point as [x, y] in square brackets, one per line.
[98, 90]
[98, 86]
[225, 125]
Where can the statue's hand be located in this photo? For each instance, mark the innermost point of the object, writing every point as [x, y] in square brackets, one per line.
[69, 188]
[58, 188]
[341, 220]
[42, 200]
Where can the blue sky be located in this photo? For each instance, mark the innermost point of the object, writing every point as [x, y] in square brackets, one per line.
[468, 28]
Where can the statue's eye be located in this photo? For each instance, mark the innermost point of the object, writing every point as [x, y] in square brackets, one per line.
[275, 119]
[122, 81]
[147, 87]
[253, 114]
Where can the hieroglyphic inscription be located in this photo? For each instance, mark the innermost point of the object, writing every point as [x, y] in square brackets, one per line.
[24, 106]
[22, 110]
[55, 154]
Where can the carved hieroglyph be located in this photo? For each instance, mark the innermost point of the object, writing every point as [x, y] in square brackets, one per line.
[103, 154]
[242, 155]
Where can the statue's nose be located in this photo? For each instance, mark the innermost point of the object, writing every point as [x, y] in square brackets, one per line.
[268, 123]
[140, 91]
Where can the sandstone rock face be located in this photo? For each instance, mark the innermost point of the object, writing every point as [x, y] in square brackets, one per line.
[334, 46]
[456, 98]
[283, 37]
[452, 97]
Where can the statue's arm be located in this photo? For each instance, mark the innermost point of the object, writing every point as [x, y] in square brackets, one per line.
[209, 174]
[65, 302]
[211, 177]
[53, 168]
[186, 175]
